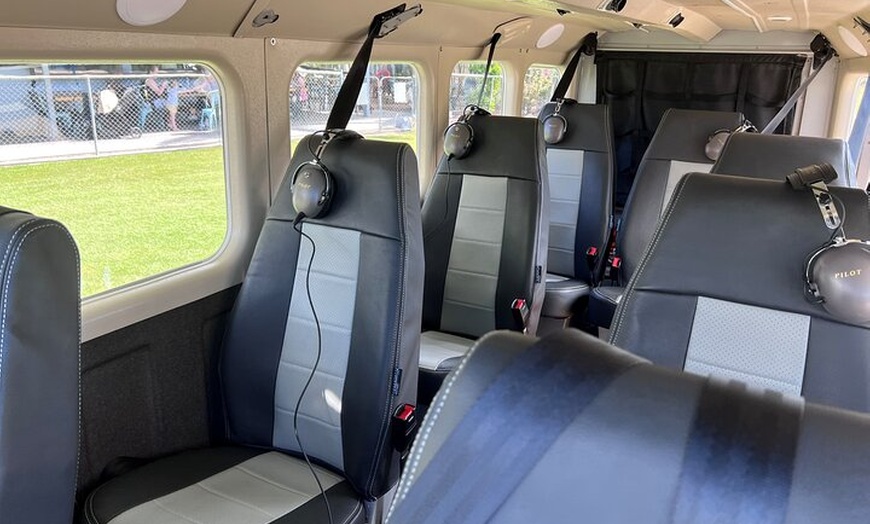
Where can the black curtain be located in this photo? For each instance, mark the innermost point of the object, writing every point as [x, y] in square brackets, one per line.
[640, 87]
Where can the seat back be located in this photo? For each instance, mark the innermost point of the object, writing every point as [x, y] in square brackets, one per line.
[485, 230]
[648, 445]
[39, 369]
[580, 172]
[775, 156]
[366, 281]
[721, 291]
[677, 148]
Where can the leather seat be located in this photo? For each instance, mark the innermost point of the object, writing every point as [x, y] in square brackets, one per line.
[721, 291]
[677, 148]
[39, 369]
[366, 281]
[775, 156]
[485, 234]
[580, 171]
[645, 444]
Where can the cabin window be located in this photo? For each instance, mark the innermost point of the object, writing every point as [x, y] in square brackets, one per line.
[386, 108]
[538, 87]
[466, 84]
[859, 124]
[130, 157]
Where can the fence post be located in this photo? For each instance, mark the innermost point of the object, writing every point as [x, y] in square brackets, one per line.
[92, 111]
[380, 103]
[51, 112]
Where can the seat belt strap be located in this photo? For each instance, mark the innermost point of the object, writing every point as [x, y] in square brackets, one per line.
[571, 70]
[740, 457]
[493, 41]
[382, 25]
[793, 100]
[507, 431]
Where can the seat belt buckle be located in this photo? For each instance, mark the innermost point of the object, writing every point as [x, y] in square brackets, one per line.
[615, 266]
[520, 311]
[404, 428]
[592, 258]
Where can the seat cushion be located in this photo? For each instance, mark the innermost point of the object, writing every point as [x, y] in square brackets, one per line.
[562, 294]
[441, 352]
[602, 304]
[223, 485]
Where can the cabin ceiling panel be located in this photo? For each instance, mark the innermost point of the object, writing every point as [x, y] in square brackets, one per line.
[458, 23]
[199, 17]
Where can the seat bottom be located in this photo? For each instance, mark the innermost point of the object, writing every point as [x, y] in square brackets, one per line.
[603, 303]
[223, 486]
[440, 353]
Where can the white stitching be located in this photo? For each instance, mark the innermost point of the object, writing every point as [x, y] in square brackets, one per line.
[400, 303]
[19, 244]
[629, 292]
[423, 437]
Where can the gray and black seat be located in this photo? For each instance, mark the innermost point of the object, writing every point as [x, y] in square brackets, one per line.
[580, 171]
[39, 369]
[775, 156]
[625, 441]
[485, 234]
[722, 291]
[678, 147]
[366, 281]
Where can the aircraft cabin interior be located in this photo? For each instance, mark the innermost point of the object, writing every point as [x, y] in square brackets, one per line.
[461, 261]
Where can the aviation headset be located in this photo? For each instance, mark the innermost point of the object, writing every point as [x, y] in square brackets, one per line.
[555, 125]
[459, 136]
[717, 140]
[837, 274]
[312, 184]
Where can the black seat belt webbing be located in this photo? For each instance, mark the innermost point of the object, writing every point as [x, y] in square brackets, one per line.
[507, 431]
[739, 457]
[792, 101]
[492, 43]
[571, 70]
[345, 103]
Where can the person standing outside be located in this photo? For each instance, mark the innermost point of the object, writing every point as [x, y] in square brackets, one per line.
[172, 94]
[152, 93]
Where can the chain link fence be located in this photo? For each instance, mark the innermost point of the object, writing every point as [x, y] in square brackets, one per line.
[387, 103]
[466, 85]
[45, 114]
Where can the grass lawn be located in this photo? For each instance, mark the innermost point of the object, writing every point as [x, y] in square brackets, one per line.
[132, 216]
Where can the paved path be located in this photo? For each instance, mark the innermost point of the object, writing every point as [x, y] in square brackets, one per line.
[69, 149]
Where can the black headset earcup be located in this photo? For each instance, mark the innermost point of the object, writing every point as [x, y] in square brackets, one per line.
[716, 143]
[555, 127]
[458, 139]
[841, 275]
[312, 189]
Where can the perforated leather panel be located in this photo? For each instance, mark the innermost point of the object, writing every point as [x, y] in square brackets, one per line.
[333, 282]
[759, 346]
[676, 171]
[565, 169]
[475, 256]
[257, 491]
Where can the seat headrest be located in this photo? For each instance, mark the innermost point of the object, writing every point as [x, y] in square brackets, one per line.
[589, 126]
[503, 146]
[364, 171]
[753, 235]
[682, 134]
[775, 156]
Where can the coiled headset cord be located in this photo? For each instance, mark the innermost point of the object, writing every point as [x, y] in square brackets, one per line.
[297, 225]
